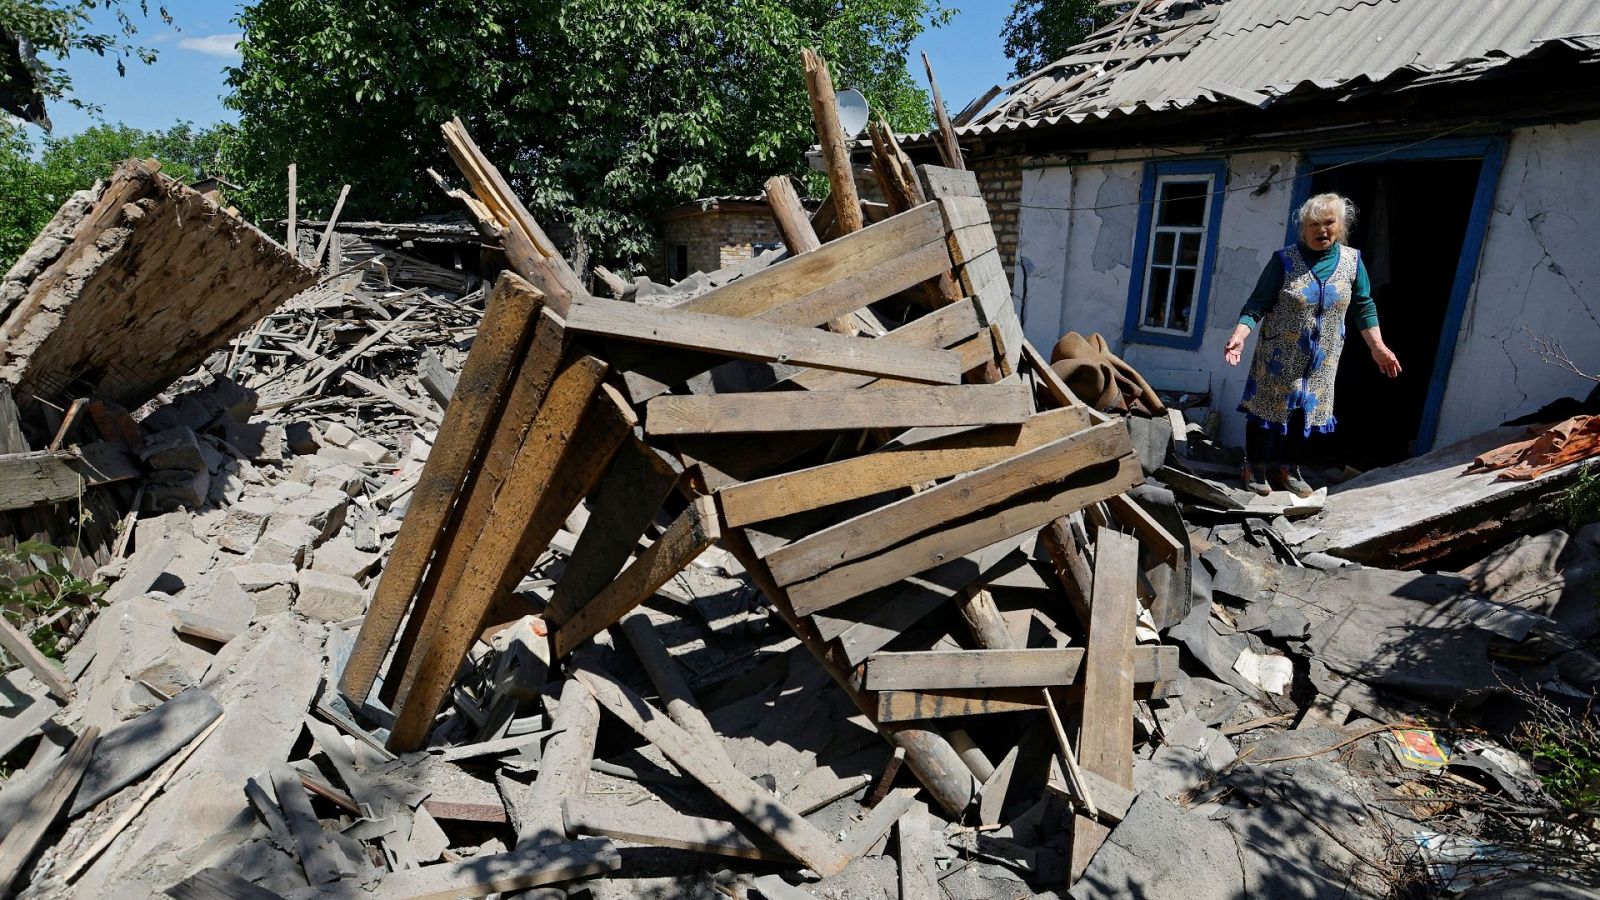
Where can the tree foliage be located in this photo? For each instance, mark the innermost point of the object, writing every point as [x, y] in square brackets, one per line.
[59, 28]
[33, 185]
[599, 112]
[1038, 32]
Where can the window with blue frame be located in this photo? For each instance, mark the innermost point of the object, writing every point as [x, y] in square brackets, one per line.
[1179, 211]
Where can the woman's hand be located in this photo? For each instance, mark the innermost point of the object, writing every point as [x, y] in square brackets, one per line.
[1235, 346]
[1388, 363]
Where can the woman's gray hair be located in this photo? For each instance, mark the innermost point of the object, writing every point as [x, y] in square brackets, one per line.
[1329, 203]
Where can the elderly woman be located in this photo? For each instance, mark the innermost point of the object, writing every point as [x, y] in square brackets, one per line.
[1300, 303]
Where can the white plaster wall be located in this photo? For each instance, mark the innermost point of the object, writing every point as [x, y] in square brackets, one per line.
[1540, 259]
[1077, 264]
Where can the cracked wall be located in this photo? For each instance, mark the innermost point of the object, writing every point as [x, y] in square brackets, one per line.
[1538, 262]
[1075, 258]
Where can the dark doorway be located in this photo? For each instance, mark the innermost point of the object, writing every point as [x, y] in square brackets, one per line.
[1411, 222]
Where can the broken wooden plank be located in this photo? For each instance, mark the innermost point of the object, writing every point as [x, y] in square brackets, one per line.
[1105, 736]
[501, 872]
[919, 873]
[793, 833]
[1014, 475]
[668, 680]
[929, 670]
[622, 508]
[53, 476]
[688, 536]
[494, 552]
[852, 579]
[395, 398]
[943, 328]
[892, 467]
[971, 242]
[864, 834]
[563, 769]
[218, 884]
[911, 705]
[764, 341]
[43, 810]
[1151, 532]
[1111, 800]
[507, 324]
[327, 233]
[975, 404]
[660, 826]
[322, 861]
[20, 648]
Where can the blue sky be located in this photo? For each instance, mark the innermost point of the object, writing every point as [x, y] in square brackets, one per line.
[187, 82]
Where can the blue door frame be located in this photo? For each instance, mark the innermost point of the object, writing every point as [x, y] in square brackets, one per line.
[1492, 152]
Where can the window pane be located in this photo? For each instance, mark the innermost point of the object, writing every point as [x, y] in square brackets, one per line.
[1156, 298]
[1189, 249]
[1183, 203]
[1182, 298]
[1162, 254]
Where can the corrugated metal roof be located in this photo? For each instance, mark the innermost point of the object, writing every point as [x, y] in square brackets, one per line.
[1277, 46]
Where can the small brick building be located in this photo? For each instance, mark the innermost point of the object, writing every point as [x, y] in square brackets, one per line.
[707, 234]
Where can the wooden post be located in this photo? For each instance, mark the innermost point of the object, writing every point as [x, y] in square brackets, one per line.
[1105, 736]
[293, 240]
[798, 235]
[564, 767]
[831, 136]
[949, 147]
[327, 233]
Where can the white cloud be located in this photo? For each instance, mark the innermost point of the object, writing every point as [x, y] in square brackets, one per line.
[214, 44]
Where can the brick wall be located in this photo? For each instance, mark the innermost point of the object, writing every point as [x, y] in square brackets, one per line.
[715, 238]
[1000, 180]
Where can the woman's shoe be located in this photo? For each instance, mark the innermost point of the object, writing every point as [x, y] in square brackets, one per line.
[1251, 476]
[1286, 478]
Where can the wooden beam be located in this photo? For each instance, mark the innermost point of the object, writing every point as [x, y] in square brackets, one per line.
[688, 536]
[977, 404]
[43, 810]
[864, 834]
[623, 507]
[1105, 737]
[669, 682]
[789, 214]
[963, 670]
[1148, 530]
[791, 832]
[507, 323]
[919, 873]
[660, 826]
[831, 138]
[563, 767]
[890, 468]
[534, 374]
[852, 579]
[765, 341]
[909, 706]
[493, 553]
[1014, 475]
[52, 476]
[943, 328]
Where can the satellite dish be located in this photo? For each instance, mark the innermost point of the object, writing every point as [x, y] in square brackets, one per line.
[852, 112]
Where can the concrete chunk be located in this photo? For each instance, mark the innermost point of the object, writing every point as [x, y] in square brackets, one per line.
[285, 545]
[373, 452]
[339, 556]
[322, 509]
[302, 438]
[328, 597]
[175, 448]
[338, 434]
[244, 524]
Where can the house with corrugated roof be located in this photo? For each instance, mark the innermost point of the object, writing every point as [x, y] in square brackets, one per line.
[1140, 185]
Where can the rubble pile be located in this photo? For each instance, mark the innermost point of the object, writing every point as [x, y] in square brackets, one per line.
[809, 577]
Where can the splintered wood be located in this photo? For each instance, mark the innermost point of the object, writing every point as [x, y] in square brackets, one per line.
[861, 481]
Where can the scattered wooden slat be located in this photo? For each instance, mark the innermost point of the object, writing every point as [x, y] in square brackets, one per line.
[946, 327]
[218, 884]
[501, 872]
[764, 341]
[493, 553]
[623, 507]
[327, 233]
[1151, 532]
[864, 834]
[911, 705]
[919, 874]
[949, 145]
[394, 398]
[1111, 799]
[892, 467]
[43, 810]
[660, 826]
[793, 833]
[20, 648]
[320, 859]
[688, 536]
[507, 323]
[1105, 738]
[933, 670]
[843, 582]
[976, 404]
[1015, 474]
